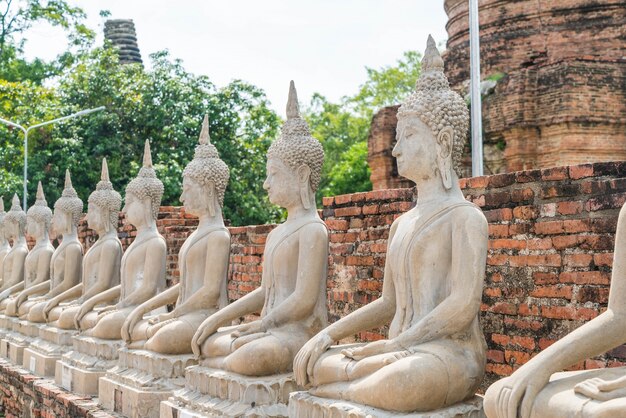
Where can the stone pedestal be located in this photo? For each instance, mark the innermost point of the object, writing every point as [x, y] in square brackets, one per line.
[43, 353]
[305, 405]
[210, 392]
[141, 380]
[78, 370]
[19, 335]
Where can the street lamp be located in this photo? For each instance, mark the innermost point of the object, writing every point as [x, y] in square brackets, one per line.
[39, 125]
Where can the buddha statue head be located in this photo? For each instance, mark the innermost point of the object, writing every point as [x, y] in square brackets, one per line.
[143, 193]
[39, 216]
[104, 204]
[15, 220]
[205, 178]
[294, 161]
[67, 209]
[432, 125]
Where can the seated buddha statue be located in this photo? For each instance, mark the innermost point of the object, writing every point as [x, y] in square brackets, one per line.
[533, 391]
[292, 295]
[101, 263]
[434, 356]
[5, 247]
[142, 270]
[203, 262]
[37, 262]
[13, 266]
[66, 263]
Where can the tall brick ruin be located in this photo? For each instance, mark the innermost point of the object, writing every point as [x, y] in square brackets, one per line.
[121, 34]
[560, 96]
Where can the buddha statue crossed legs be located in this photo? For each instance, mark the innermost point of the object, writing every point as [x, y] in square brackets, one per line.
[66, 262]
[142, 271]
[436, 256]
[101, 263]
[203, 262]
[37, 262]
[292, 296]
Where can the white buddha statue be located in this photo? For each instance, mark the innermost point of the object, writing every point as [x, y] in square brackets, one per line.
[5, 247]
[66, 263]
[434, 356]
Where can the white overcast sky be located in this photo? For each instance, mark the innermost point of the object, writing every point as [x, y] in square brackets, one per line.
[324, 45]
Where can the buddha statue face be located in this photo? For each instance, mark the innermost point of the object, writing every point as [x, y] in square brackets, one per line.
[198, 199]
[35, 228]
[11, 230]
[138, 211]
[420, 154]
[61, 222]
[284, 184]
[97, 217]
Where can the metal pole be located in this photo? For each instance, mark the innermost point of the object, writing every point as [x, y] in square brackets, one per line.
[39, 125]
[476, 103]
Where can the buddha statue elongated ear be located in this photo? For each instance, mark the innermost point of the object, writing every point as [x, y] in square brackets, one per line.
[211, 198]
[445, 142]
[304, 175]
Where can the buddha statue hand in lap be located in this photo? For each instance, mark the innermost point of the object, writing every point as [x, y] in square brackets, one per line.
[4, 242]
[142, 271]
[66, 262]
[292, 295]
[13, 266]
[100, 268]
[436, 256]
[203, 262]
[37, 262]
[530, 391]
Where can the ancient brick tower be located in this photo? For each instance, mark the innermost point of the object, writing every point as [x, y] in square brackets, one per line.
[560, 96]
[121, 34]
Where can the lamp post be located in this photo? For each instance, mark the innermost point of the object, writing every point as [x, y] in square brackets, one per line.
[476, 116]
[39, 125]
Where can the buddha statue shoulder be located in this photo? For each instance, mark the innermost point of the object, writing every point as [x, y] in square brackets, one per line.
[5, 247]
[101, 263]
[534, 391]
[434, 356]
[37, 262]
[142, 268]
[13, 265]
[66, 262]
[203, 262]
[292, 296]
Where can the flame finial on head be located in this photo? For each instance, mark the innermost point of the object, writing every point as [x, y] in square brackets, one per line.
[293, 109]
[104, 173]
[147, 155]
[205, 138]
[15, 203]
[1, 204]
[432, 60]
[41, 198]
[68, 179]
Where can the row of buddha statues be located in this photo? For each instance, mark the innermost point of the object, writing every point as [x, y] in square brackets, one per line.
[435, 354]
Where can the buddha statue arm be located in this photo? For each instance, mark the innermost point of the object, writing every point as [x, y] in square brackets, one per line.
[153, 274]
[596, 337]
[312, 262]
[251, 303]
[72, 270]
[33, 290]
[69, 294]
[89, 304]
[162, 299]
[12, 289]
[215, 272]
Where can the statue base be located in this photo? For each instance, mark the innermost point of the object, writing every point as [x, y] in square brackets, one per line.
[18, 336]
[44, 352]
[141, 380]
[78, 370]
[211, 392]
[305, 405]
